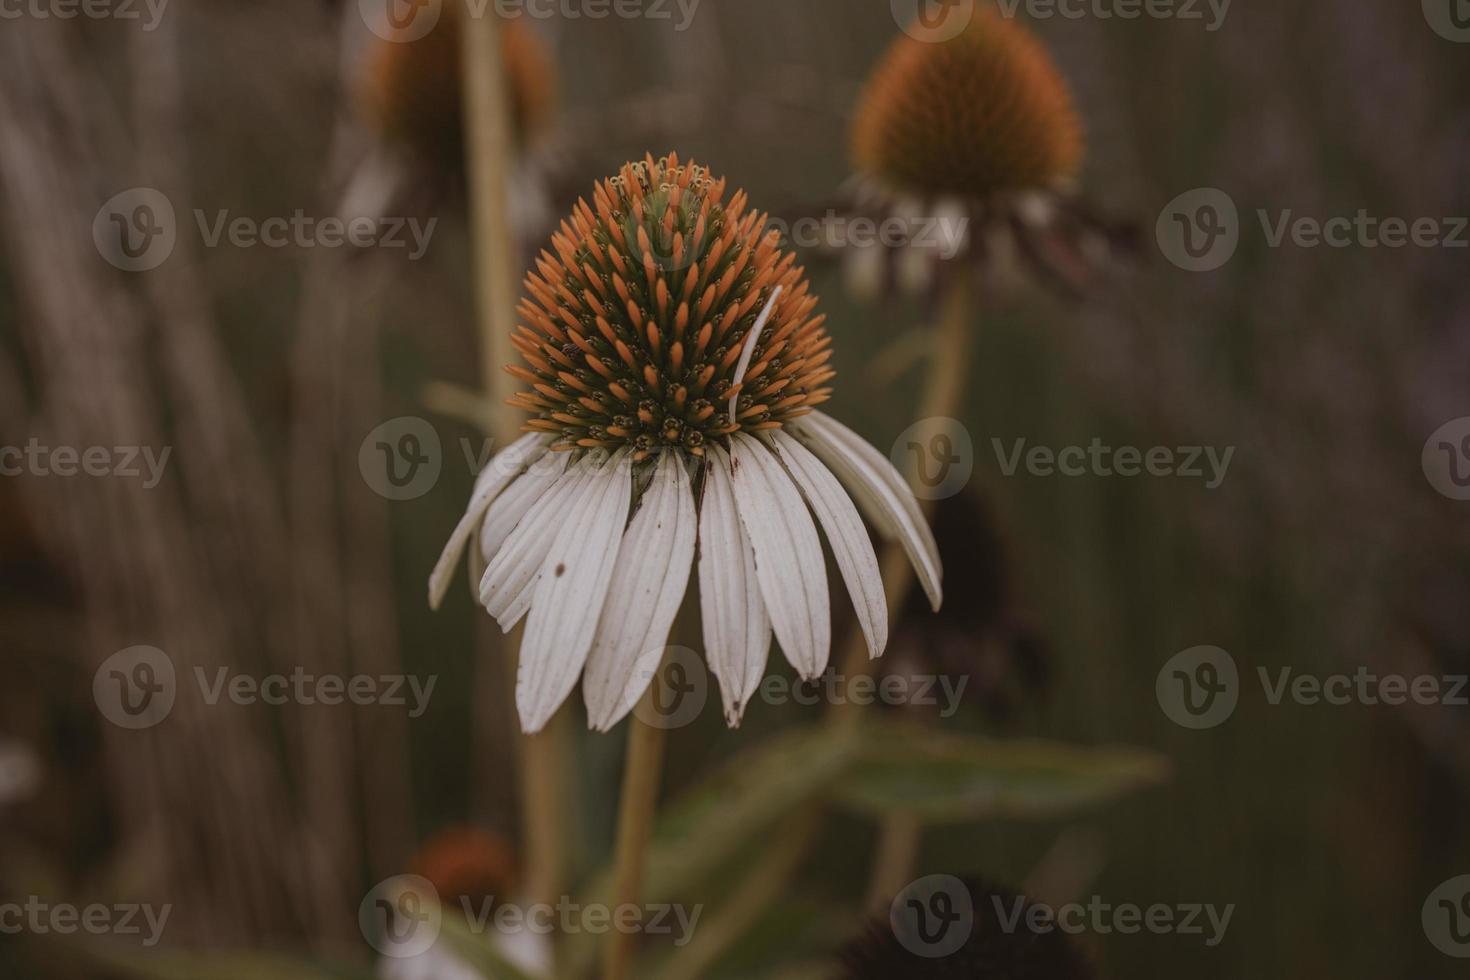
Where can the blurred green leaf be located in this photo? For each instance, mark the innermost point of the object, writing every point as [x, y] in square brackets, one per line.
[944, 778]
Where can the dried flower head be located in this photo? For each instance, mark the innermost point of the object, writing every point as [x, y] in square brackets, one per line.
[643, 324]
[970, 148]
[673, 362]
[412, 89]
[986, 111]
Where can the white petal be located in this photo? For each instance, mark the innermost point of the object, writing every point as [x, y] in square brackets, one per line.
[788, 555]
[519, 559]
[508, 509]
[845, 533]
[501, 471]
[648, 584]
[570, 593]
[879, 490]
[737, 630]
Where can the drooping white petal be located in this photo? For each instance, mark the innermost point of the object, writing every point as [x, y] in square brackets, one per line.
[508, 464]
[881, 492]
[516, 563]
[846, 534]
[737, 630]
[571, 589]
[648, 584]
[788, 555]
[508, 508]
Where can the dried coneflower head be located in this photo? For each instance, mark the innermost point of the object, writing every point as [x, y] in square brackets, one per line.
[991, 951]
[986, 111]
[641, 324]
[412, 89]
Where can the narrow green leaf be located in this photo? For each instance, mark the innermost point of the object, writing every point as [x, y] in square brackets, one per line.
[947, 778]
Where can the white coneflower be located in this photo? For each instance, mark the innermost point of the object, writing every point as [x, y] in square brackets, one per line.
[673, 362]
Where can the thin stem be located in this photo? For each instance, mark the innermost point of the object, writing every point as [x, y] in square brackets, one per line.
[489, 148]
[635, 826]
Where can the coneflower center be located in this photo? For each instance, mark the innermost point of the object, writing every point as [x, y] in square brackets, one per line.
[637, 317]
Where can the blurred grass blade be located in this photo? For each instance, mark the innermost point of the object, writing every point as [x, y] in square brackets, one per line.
[943, 778]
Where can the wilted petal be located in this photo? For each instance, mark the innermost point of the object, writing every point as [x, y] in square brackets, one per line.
[501, 471]
[570, 592]
[879, 490]
[737, 630]
[648, 584]
[846, 534]
[788, 555]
